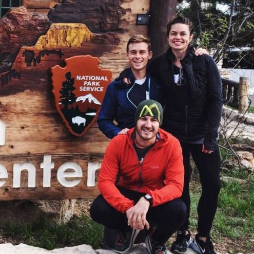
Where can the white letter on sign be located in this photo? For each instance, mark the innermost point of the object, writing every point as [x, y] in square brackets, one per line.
[46, 165]
[62, 174]
[2, 133]
[17, 169]
[3, 174]
[92, 167]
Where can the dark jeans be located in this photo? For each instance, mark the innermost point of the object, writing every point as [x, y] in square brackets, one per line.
[208, 166]
[167, 218]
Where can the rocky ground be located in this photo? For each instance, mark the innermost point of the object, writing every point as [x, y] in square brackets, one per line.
[81, 249]
[225, 247]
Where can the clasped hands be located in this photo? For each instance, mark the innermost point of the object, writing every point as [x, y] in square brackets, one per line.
[136, 215]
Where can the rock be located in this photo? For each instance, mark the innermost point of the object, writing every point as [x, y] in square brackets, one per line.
[228, 179]
[8, 248]
[63, 210]
[31, 211]
[246, 159]
[237, 126]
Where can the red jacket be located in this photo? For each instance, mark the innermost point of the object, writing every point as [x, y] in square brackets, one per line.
[161, 174]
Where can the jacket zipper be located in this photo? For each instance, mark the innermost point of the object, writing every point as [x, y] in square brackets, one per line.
[148, 90]
[140, 168]
[140, 171]
[186, 117]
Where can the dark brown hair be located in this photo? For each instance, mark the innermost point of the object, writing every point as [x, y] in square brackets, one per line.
[139, 38]
[180, 20]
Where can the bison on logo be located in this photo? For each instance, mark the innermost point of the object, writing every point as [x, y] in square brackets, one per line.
[79, 89]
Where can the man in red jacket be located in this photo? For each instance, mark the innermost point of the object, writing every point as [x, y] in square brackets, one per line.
[141, 182]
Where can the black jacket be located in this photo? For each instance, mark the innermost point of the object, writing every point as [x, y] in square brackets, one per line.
[198, 117]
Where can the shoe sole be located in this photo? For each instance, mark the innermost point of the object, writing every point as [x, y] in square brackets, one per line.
[183, 252]
[179, 252]
[129, 249]
[194, 246]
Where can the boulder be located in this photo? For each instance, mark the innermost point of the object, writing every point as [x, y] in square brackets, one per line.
[8, 248]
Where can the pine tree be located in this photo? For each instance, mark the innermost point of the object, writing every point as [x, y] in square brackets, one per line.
[67, 96]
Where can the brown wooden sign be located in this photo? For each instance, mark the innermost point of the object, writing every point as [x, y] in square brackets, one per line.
[79, 89]
[49, 177]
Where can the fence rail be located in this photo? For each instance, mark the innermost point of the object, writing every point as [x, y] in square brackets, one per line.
[230, 92]
[235, 94]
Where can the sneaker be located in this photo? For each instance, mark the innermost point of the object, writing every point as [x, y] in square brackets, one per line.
[152, 246]
[182, 242]
[203, 247]
[125, 241]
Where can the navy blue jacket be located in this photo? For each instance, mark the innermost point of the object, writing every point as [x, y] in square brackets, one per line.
[198, 117]
[120, 103]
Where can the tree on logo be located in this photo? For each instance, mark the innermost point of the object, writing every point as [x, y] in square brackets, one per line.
[67, 96]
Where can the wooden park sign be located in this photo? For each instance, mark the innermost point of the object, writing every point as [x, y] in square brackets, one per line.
[44, 161]
[79, 89]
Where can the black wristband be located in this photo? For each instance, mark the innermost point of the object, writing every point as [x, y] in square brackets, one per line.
[149, 198]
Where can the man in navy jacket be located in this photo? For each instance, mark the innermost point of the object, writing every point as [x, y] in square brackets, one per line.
[121, 99]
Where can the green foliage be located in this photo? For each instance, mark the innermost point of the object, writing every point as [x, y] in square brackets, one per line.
[235, 211]
[251, 110]
[234, 218]
[50, 235]
[221, 28]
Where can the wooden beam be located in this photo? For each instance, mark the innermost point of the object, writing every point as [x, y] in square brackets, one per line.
[161, 11]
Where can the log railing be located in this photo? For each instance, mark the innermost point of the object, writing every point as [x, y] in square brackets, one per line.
[230, 92]
[235, 94]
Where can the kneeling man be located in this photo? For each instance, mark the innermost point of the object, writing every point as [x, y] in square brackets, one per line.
[141, 182]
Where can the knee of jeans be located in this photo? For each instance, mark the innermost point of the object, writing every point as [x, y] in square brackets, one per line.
[95, 210]
[179, 212]
[92, 211]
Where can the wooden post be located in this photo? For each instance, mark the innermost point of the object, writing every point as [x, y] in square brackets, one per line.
[161, 12]
[244, 85]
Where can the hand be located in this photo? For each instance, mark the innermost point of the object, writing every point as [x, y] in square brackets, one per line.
[127, 81]
[123, 131]
[201, 51]
[205, 150]
[136, 215]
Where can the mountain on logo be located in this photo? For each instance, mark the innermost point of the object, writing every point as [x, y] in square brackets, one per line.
[89, 97]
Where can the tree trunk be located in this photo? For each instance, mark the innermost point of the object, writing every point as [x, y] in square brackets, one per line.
[161, 11]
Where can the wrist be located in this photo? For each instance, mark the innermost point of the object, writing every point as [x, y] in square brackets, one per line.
[148, 198]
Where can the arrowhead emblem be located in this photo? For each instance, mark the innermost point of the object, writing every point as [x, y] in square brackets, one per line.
[79, 89]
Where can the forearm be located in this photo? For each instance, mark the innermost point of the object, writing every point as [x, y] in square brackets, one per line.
[215, 103]
[113, 196]
[108, 128]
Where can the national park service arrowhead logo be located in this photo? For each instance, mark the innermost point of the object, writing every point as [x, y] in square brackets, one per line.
[79, 89]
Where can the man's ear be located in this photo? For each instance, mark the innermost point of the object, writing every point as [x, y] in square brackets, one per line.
[150, 54]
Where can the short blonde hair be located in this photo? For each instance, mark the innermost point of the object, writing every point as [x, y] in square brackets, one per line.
[139, 38]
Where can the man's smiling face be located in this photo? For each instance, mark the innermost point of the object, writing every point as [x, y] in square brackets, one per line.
[138, 55]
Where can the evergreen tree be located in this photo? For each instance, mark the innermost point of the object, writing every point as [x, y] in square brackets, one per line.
[67, 96]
